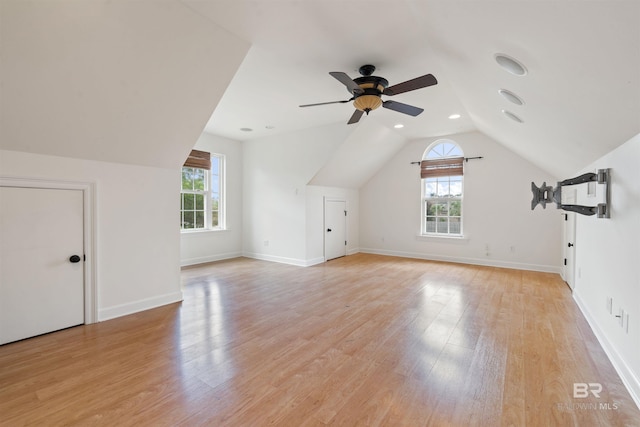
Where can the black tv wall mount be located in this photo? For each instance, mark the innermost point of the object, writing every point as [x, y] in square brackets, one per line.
[546, 194]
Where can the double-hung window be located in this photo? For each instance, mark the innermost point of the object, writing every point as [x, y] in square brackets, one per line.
[201, 196]
[441, 173]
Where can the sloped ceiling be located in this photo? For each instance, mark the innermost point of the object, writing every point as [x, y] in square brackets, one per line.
[120, 81]
[581, 92]
[135, 81]
[359, 156]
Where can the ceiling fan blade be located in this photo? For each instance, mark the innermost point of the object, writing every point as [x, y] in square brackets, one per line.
[402, 108]
[347, 81]
[355, 118]
[326, 103]
[409, 85]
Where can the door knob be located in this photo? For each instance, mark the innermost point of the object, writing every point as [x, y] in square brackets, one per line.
[328, 230]
[74, 259]
[570, 245]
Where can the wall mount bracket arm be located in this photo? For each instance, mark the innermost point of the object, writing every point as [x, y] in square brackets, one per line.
[547, 194]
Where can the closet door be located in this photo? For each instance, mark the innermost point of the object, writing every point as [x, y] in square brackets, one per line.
[41, 261]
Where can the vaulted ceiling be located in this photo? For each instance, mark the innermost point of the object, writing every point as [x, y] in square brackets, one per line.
[581, 92]
[136, 80]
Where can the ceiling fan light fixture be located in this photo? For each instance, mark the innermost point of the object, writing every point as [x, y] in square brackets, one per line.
[367, 103]
[510, 64]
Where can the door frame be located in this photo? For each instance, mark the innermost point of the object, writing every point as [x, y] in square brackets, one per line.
[324, 223]
[89, 238]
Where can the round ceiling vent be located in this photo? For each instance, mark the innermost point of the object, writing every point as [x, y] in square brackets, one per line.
[510, 64]
[512, 116]
[511, 97]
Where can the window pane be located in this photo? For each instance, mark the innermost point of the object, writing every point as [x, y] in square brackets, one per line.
[431, 225]
[215, 165]
[454, 225]
[214, 218]
[455, 208]
[456, 186]
[189, 219]
[199, 199]
[443, 187]
[187, 182]
[198, 179]
[199, 219]
[187, 202]
[432, 208]
[442, 225]
[430, 186]
[215, 183]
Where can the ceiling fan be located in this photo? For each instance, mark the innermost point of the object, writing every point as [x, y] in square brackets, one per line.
[367, 90]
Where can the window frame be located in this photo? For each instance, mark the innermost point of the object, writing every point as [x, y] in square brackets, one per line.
[209, 196]
[221, 158]
[448, 199]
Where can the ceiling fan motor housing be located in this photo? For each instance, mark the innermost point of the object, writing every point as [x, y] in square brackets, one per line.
[372, 87]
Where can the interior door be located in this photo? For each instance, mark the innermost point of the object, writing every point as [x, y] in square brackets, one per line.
[569, 197]
[335, 229]
[41, 283]
[569, 248]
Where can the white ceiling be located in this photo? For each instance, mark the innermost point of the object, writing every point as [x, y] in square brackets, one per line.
[582, 90]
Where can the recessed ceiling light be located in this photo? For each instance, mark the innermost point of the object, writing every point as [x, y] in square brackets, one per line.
[398, 126]
[246, 129]
[512, 116]
[454, 116]
[510, 96]
[510, 64]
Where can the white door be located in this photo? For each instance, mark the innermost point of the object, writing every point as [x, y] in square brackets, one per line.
[569, 248]
[335, 229]
[41, 287]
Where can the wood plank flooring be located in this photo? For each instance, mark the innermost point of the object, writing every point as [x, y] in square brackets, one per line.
[362, 340]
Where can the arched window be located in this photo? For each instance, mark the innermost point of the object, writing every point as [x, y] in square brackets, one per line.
[441, 172]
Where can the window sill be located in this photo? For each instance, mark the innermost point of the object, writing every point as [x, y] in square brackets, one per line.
[201, 231]
[442, 238]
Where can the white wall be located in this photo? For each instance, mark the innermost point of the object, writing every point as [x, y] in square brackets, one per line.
[608, 260]
[118, 81]
[315, 219]
[137, 227]
[206, 246]
[275, 176]
[496, 208]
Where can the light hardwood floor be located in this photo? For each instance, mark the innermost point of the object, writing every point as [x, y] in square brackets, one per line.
[361, 340]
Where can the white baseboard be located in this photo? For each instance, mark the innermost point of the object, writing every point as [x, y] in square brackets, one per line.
[473, 261]
[273, 258]
[314, 261]
[210, 258]
[284, 260]
[137, 306]
[626, 374]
